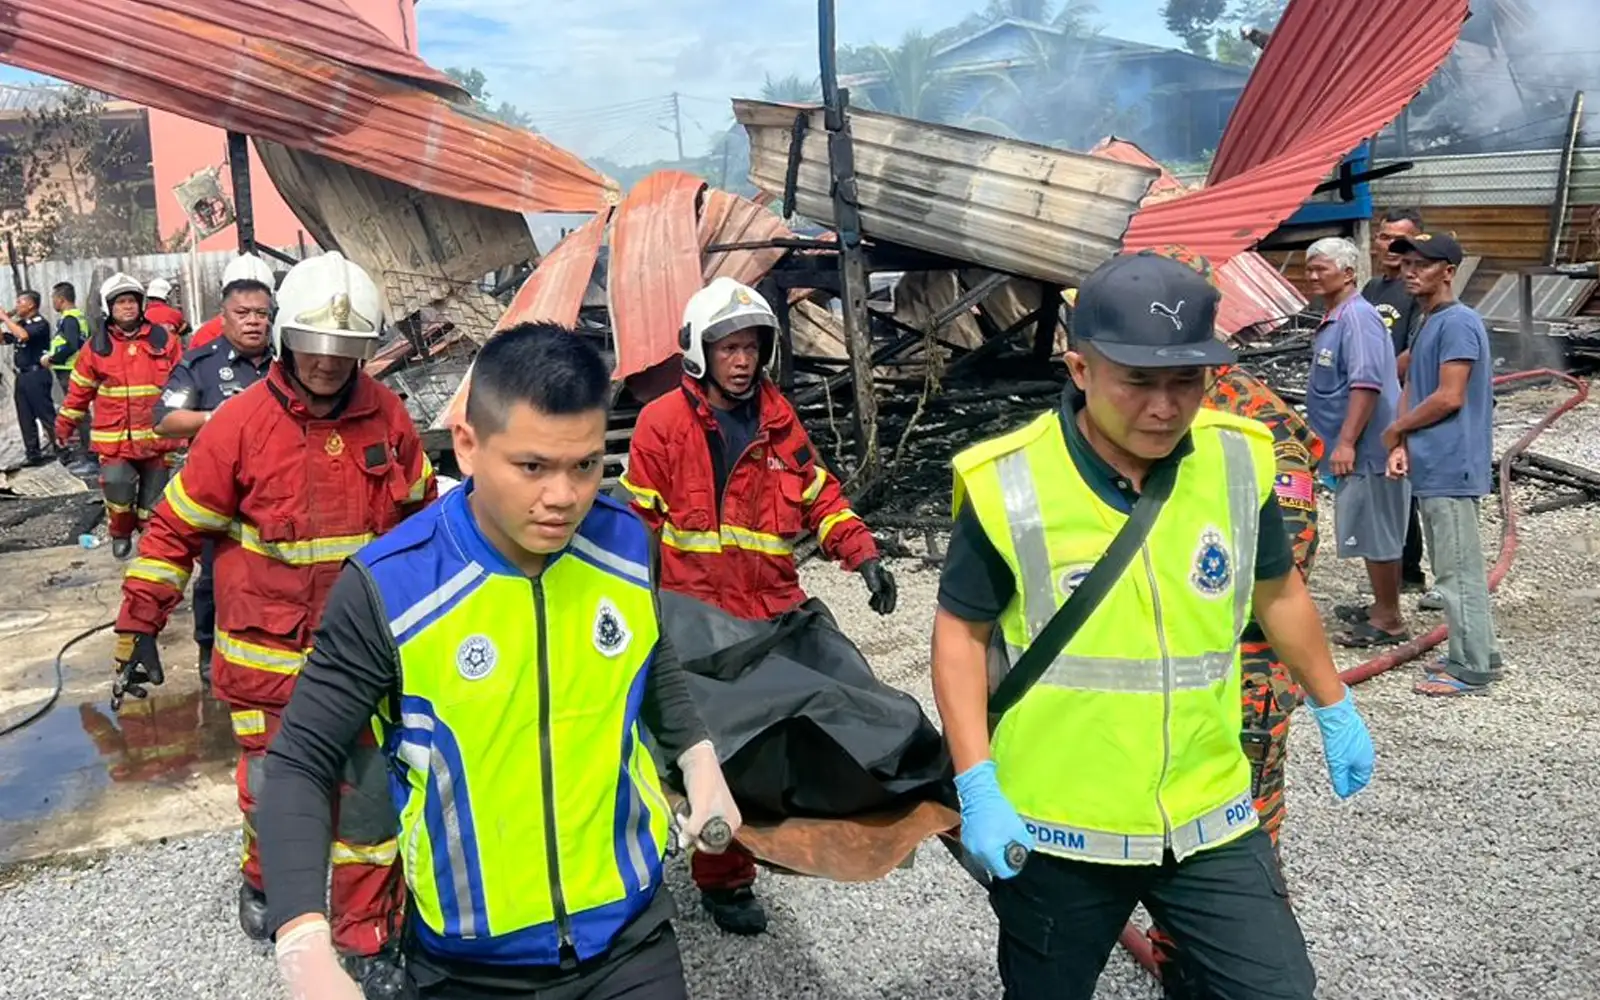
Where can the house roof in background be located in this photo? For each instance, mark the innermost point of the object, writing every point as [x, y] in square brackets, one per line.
[311, 75]
[17, 100]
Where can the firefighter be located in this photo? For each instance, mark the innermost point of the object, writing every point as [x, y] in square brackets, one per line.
[245, 267]
[72, 330]
[30, 333]
[1121, 766]
[159, 313]
[206, 378]
[509, 638]
[725, 474]
[163, 738]
[289, 479]
[121, 371]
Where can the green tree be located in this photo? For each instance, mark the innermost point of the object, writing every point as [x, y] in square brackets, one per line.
[71, 184]
[791, 89]
[477, 86]
[1195, 22]
[913, 86]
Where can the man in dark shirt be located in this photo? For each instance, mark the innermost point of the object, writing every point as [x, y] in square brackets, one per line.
[523, 548]
[206, 378]
[30, 332]
[1403, 318]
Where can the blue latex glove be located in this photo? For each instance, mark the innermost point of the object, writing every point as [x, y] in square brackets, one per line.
[988, 823]
[1346, 744]
[1329, 481]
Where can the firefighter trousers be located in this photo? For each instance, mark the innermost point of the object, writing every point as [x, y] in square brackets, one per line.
[734, 868]
[1270, 698]
[132, 489]
[367, 899]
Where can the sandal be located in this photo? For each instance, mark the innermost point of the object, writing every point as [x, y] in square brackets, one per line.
[1447, 686]
[1352, 613]
[1365, 635]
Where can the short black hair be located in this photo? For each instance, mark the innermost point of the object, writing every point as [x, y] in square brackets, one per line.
[65, 292]
[31, 296]
[1410, 215]
[547, 366]
[244, 285]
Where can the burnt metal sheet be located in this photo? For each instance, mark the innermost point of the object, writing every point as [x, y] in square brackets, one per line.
[1012, 206]
[727, 218]
[655, 268]
[1254, 294]
[554, 292]
[1327, 80]
[1554, 297]
[310, 75]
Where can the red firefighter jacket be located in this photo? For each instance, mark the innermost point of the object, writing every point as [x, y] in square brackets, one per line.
[736, 551]
[288, 497]
[161, 314]
[210, 330]
[122, 375]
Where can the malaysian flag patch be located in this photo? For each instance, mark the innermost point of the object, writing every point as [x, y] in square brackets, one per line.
[1296, 489]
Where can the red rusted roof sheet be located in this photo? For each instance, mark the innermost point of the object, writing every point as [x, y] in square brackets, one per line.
[654, 268]
[309, 74]
[727, 218]
[554, 292]
[1254, 294]
[1328, 79]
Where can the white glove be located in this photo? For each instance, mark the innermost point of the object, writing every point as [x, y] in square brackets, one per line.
[708, 794]
[309, 966]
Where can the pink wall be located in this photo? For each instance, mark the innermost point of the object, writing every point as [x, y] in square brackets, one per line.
[179, 147]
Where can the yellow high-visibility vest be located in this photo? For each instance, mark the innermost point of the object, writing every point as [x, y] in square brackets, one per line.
[531, 812]
[1129, 744]
[57, 342]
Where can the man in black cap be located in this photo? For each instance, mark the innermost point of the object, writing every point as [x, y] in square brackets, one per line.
[1120, 766]
[1444, 441]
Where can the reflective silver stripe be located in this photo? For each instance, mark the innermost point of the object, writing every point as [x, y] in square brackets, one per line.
[630, 835]
[436, 600]
[1222, 823]
[440, 772]
[1026, 522]
[1244, 508]
[637, 572]
[1126, 674]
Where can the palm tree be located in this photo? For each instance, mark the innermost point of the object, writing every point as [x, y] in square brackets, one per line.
[791, 89]
[913, 86]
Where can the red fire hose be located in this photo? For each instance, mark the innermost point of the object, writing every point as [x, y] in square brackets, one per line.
[1135, 940]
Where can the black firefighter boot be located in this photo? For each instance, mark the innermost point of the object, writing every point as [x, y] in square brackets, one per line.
[253, 912]
[121, 548]
[380, 976]
[204, 664]
[736, 911]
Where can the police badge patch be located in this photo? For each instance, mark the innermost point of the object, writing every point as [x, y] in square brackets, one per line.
[611, 635]
[1213, 567]
[475, 657]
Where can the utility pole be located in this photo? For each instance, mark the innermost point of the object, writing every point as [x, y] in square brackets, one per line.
[852, 261]
[677, 123]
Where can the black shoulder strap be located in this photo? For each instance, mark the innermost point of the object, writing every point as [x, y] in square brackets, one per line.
[1069, 618]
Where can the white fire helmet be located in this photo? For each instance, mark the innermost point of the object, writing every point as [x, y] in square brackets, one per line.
[119, 284]
[160, 288]
[718, 310]
[248, 267]
[329, 306]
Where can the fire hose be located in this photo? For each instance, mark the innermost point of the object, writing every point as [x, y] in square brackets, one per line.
[1135, 940]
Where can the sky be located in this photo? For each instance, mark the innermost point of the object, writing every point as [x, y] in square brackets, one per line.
[571, 63]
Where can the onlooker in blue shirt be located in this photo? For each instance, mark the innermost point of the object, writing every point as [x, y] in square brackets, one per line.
[1353, 394]
[1444, 441]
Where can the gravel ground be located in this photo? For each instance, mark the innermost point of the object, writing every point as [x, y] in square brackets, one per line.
[1465, 871]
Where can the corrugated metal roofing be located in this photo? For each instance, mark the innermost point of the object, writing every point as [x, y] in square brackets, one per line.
[728, 218]
[1327, 80]
[311, 75]
[1520, 178]
[1254, 294]
[655, 267]
[554, 292]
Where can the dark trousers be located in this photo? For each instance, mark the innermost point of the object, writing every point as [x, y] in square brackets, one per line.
[205, 597]
[1411, 556]
[35, 408]
[1227, 908]
[652, 971]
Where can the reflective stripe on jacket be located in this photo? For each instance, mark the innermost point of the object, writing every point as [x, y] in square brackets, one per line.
[531, 813]
[121, 375]
[59, 341]
[1129, 744]
[287, 498]
[737, 551]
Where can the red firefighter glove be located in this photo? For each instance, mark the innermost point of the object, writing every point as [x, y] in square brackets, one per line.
[64, 431]
[137, 663]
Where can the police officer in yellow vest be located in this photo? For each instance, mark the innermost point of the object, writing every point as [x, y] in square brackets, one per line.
[508, 641]
[1121, 768]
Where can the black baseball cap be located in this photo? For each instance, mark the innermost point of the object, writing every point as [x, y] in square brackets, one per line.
[1429, 246]
[1145, 310]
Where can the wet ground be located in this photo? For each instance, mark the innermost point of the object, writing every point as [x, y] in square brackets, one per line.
[81, 778]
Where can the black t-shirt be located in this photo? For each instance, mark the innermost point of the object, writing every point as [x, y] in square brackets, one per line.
[30, 353]
[976, 584]
[1398, 307]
